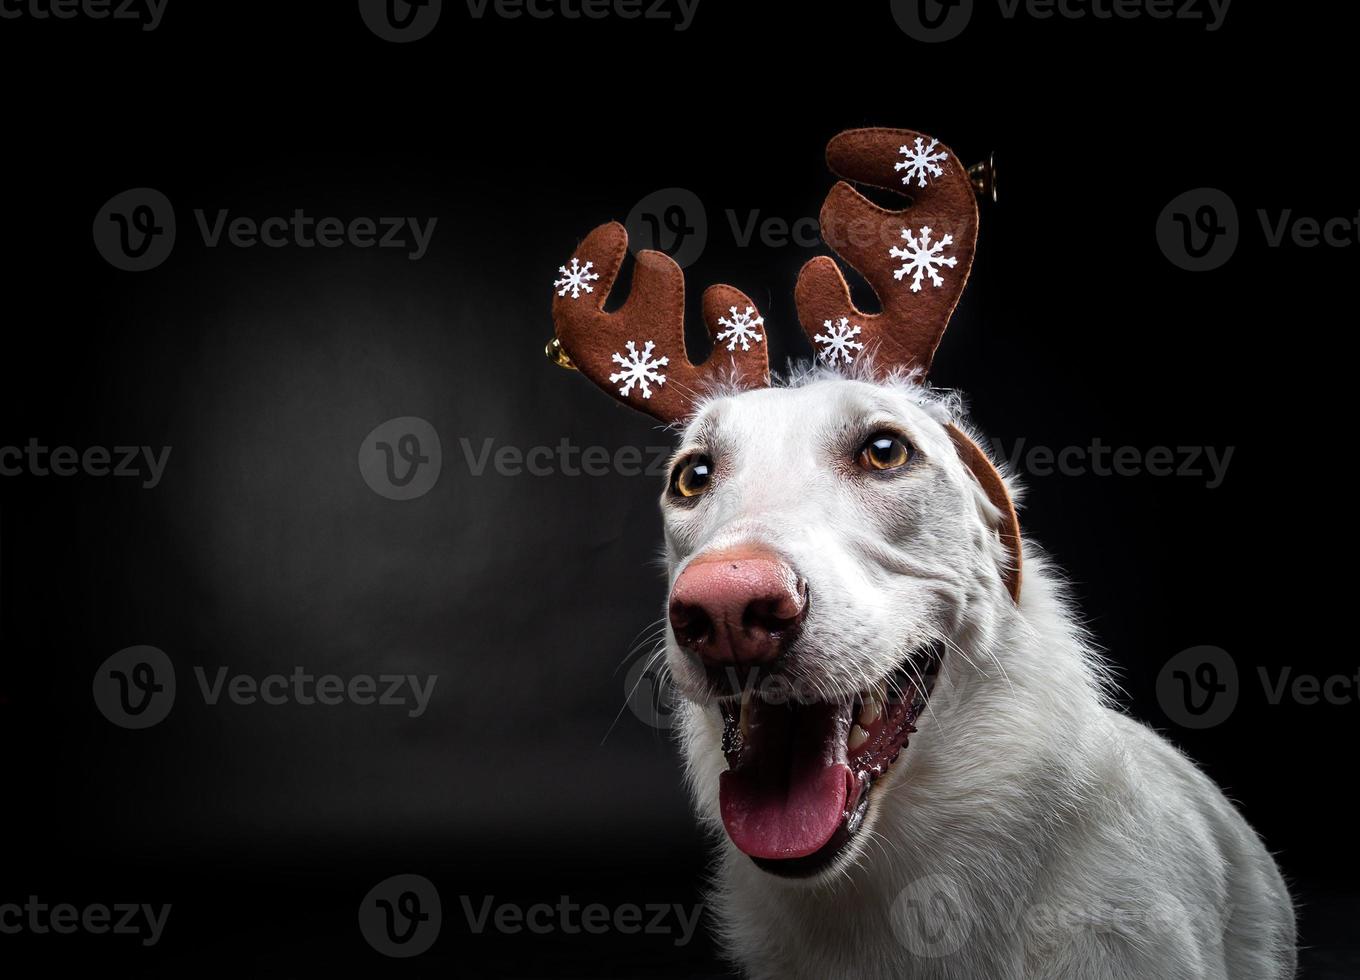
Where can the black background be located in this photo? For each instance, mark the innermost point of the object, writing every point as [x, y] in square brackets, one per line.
[264, 369]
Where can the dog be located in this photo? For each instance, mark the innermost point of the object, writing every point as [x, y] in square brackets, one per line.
[1027, 828]
[901, 740]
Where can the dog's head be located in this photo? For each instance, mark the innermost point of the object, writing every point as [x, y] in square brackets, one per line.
[831, 540]
[828, 544]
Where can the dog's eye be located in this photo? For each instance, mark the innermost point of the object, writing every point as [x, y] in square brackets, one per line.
[883, 451]
[692, 477]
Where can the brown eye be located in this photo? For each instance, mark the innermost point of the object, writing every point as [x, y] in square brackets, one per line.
[883, 451]
[692, 477]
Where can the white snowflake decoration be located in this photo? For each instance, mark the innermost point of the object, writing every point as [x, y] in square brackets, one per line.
[576, 279]
[639, 369]
[741, 329]
[839, 341]
[921, 162]
[922, 257]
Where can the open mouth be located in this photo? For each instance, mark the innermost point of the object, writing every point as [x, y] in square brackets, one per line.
[800, 773]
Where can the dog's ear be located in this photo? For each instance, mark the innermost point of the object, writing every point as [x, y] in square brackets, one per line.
[995, 488]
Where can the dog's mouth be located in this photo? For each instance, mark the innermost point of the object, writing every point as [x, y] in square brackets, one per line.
[800, 773]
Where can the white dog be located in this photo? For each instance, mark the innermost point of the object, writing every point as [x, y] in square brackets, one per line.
[894, 726]
[837, 585]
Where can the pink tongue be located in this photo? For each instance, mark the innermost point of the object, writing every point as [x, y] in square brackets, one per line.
[787, 795]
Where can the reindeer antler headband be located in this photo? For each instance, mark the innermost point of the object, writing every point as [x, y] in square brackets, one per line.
[917, 260]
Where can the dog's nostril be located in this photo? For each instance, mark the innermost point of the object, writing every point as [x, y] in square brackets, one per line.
[771, 615]
[690, 624]
[776, 613]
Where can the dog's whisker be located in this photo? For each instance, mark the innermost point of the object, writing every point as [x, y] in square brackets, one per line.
[655, 657]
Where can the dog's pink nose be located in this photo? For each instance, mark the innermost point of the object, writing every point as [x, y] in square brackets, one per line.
[740, 606]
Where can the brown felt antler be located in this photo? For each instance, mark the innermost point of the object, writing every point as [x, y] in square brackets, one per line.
[637, 353]
[917, 260]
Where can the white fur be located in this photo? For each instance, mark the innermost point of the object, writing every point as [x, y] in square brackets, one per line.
[1029, 829]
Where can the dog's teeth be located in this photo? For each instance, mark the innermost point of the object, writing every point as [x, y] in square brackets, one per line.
[873, 708]
[858, 736]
